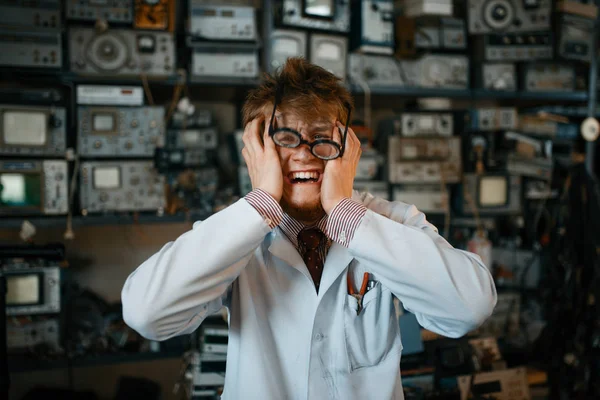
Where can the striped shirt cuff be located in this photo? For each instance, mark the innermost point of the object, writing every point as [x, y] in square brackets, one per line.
[344, 219]
[266, 206]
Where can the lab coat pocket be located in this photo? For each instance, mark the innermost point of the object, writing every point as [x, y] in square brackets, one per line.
[370, 335]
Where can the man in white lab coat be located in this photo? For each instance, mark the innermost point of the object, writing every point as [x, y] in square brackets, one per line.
[311, 311]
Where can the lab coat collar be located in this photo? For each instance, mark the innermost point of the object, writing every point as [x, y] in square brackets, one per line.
[338, 259]
[336, 262]
[282, 248]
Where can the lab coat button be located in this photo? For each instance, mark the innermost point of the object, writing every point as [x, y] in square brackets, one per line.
[319, 337]
[343, 236]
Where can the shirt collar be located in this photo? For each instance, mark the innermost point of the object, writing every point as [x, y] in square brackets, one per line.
[292, 227]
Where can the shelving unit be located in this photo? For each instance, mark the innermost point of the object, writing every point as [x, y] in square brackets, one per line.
[104, 219]
[240, 86]
[472, 94]
[24, 364]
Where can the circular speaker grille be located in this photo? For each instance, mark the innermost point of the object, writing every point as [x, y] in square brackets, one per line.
[108, 52]
[437, 72]
[498, 14]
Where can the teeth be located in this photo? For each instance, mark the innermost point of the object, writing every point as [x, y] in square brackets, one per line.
[305, 175]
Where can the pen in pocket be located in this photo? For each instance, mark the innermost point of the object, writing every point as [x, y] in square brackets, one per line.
[363, 289]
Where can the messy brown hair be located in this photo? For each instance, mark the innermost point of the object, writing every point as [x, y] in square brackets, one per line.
[308, 90]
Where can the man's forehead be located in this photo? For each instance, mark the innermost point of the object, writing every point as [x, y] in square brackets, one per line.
[312, 120]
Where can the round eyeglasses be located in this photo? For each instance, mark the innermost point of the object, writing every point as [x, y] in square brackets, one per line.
[325, 149]
[322, 148]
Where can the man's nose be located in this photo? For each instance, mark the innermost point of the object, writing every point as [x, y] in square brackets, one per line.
[302, 152]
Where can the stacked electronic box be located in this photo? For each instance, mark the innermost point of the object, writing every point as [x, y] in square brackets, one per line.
[208, 365]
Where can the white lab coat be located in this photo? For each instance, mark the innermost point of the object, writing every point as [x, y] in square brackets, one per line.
[287, 342]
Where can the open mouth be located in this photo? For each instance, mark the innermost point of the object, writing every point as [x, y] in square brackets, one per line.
[304, 177]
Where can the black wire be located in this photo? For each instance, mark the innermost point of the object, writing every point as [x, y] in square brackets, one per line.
[68, 341]
[575, 270]
[4, 371]
[470, 394]
[70, 374]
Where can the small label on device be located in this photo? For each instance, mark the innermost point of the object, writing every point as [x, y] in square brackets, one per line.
[110, 95]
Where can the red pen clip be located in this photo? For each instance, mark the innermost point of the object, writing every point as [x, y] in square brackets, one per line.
[363, 289]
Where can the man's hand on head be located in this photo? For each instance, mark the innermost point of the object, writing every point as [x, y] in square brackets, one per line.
[338, 179]
[262, 159]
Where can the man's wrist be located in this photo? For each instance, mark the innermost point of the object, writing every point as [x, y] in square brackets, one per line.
[266, 206]
[344, 219]
[335, 203]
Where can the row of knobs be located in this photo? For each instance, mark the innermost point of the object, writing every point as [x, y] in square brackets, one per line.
[50, 59]
[432, 170]
[521, 53]
[81, 63]
[129, 196]
[247, 30]
[134, 123]
[39, 23]
[537, 40]
[128, 144]
[442, 124]
[58, 175]
[53, 200]
[124, 16]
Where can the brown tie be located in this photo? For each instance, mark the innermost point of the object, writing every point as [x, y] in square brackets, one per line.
[310, 241]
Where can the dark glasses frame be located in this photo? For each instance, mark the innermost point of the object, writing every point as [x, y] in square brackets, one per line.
[301, 141]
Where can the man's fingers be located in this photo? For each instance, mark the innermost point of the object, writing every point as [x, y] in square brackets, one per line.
[253, 137]
[337, 135]
[339, 131]
[266, 127]
[267, 140]
[352, 136]
[246, 134]
[342, 129]
[249, 164]
[356, 140]
[352, 145]
[246, 155]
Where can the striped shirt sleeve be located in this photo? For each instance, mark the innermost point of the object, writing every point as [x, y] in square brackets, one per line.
[344, 219]
[266, 206]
